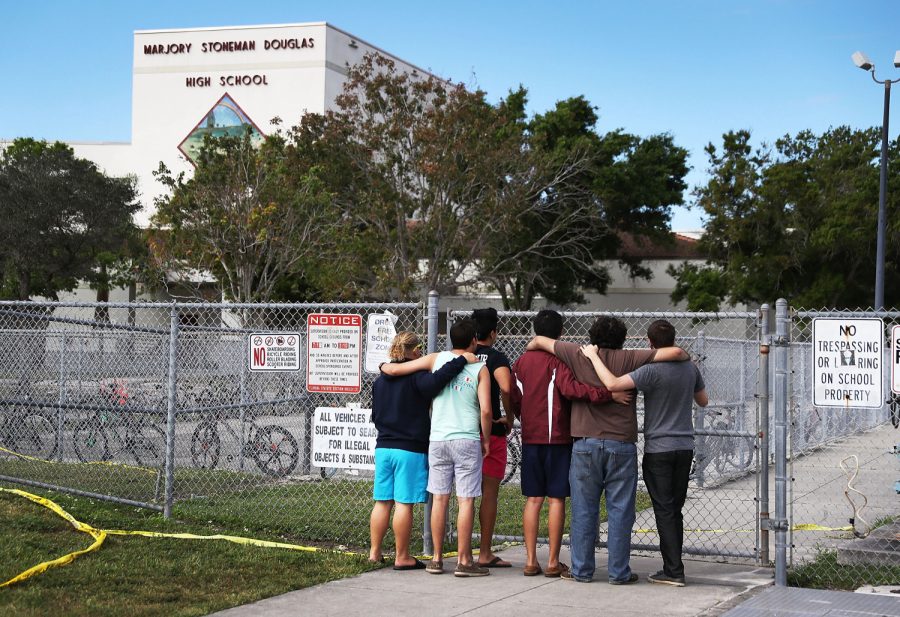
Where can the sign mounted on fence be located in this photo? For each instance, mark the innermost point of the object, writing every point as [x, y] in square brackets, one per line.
[343, 438]
[895, 359]
[847, 362]
[274, 351]
[379, 336]
[334, 344]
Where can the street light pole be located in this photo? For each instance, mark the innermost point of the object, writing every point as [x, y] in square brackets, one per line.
[882, 197]
[863, 62]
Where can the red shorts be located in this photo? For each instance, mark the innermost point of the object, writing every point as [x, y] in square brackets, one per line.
[495, 463]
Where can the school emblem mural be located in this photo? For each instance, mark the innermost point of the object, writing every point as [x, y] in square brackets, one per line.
[226, 118]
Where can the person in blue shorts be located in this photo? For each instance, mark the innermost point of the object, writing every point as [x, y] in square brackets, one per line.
[400, 411]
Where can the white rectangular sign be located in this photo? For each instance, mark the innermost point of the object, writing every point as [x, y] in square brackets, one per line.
[847, 362]
[334, 346]
[343, 437]
[379, 336]
[274, 351]
[895, 359]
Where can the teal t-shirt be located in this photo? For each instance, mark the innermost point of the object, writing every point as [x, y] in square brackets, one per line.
[456, 413]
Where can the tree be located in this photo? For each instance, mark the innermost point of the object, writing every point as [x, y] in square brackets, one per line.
[60, 215]
[577, 189]
[243, 217]
[794, 221]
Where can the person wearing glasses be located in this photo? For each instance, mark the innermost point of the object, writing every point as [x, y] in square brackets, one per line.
[400, 411]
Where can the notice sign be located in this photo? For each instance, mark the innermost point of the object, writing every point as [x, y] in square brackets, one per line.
[334, 345]
[379, 336]
[895, 359]
[343, 437]
[847, 362]
[274, 351]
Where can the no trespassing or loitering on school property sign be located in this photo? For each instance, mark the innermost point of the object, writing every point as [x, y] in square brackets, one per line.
[848, 357]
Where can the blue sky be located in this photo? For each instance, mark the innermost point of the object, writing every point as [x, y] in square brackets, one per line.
[692, 68]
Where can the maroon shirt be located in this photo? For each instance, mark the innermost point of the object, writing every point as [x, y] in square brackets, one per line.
[607, 420]
[541, 399]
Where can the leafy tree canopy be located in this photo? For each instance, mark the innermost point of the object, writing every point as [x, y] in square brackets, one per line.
[61, 217]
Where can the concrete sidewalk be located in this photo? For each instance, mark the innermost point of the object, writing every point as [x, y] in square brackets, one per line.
[712, 590]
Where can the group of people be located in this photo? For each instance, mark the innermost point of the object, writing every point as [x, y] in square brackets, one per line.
[578, 419]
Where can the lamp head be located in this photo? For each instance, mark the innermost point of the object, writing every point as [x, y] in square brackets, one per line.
[897, 59]
[862, 61]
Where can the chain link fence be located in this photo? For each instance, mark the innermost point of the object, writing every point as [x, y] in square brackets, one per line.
[843, 467]
[722, 508]
[156, 405]
[95, 398]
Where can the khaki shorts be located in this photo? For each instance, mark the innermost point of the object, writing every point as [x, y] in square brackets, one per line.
[458, 459]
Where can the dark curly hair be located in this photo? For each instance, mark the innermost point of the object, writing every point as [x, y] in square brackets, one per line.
[608, 333]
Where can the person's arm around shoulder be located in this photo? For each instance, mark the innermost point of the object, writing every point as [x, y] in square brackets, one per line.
[484, 402]
[542, 343]
[429, 384]
[397, 369]
[671, 354]
[574, 390]
[613, 383]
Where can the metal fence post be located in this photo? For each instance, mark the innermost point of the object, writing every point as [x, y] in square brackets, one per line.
[431, 319]
[780, 523]
[170, 416]
[762, 423]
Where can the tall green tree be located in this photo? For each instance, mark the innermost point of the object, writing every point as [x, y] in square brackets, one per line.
[62, 217]
[584, 189]
[796, 220]
[244, 218]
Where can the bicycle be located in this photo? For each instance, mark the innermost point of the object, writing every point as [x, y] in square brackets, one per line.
[29, 433]
[116, 428]
[720, 446]
[271, 447]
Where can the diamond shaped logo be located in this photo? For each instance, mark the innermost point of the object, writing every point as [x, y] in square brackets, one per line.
[226, 118]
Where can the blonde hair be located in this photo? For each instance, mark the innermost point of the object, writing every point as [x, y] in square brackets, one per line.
[403, 342]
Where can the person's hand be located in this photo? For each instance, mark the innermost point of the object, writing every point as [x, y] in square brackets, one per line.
[470, 357]
[485, 446]
[506, 421]
[589, 351]
[623, 398]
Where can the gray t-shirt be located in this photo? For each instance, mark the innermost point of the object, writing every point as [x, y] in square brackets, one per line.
[668, 389]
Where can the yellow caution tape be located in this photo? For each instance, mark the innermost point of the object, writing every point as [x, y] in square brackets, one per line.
[814, 527]
[99, 536]
[107, 463]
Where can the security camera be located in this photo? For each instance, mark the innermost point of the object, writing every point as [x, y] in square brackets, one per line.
[862, 61]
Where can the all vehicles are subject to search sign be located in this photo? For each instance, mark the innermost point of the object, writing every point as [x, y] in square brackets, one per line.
[334, 345]
[847, 362]
[343, 437]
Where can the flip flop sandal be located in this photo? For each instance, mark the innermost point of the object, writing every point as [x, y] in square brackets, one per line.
[415, 566]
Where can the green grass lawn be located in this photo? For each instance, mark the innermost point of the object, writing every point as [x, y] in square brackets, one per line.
[826, 573]
[143, 576]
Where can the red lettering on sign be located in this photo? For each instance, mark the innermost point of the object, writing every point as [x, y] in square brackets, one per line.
[335, 320]
[259, 357]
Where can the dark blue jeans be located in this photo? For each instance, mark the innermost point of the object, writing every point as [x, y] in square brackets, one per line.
[598, 466]
[666, 476]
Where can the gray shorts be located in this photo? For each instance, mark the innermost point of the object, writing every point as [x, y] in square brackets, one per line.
[457, 458]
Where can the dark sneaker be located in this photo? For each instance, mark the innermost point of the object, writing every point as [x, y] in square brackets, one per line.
[557, 571]
[567, 575]
[470, 570]
[661, 578]
[632, 578]
[435, 567]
